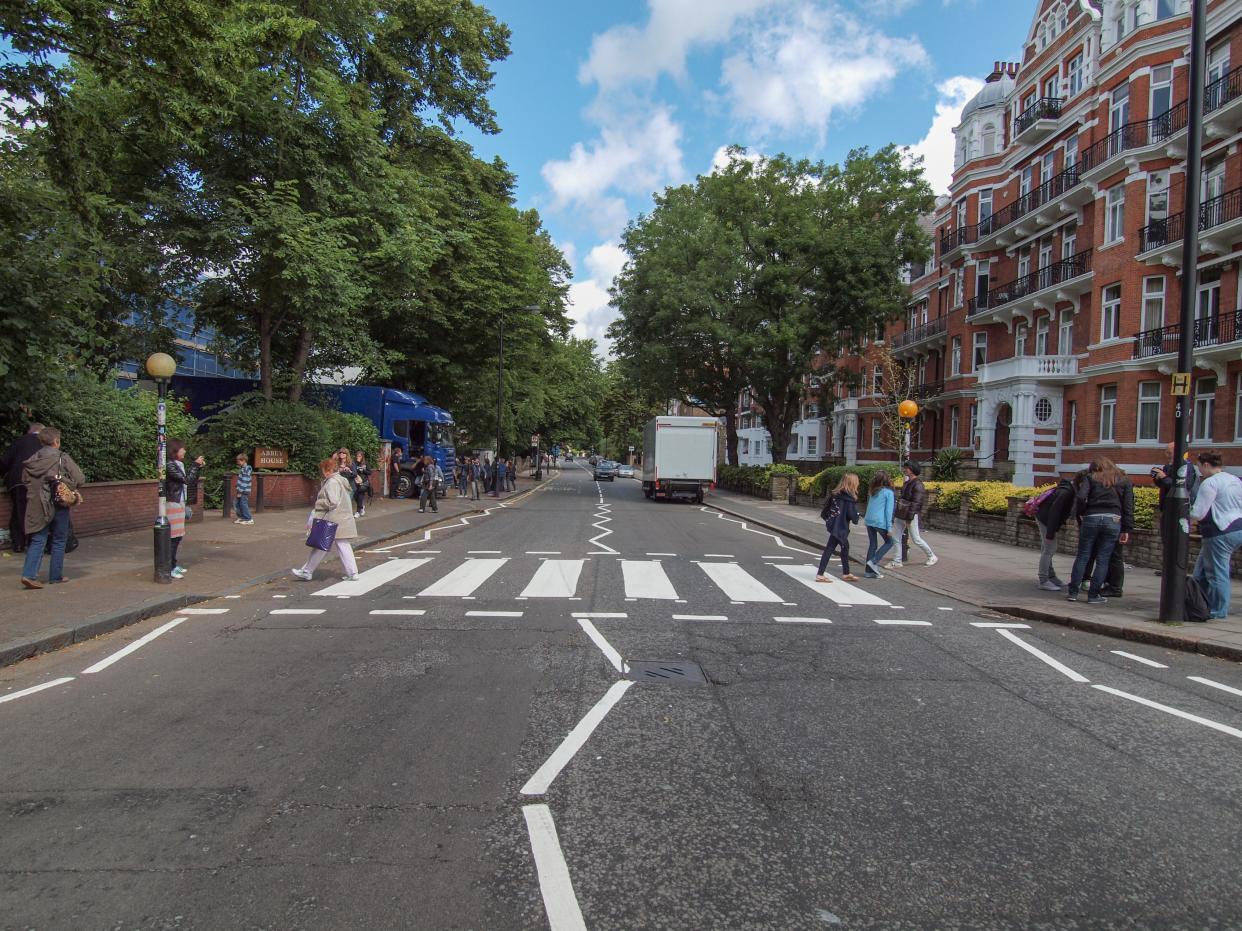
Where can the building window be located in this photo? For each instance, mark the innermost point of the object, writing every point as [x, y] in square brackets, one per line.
[877, 380]
[974, 424]
[1149, 411]
[1115, 214]
[1041, 336]
[1157, 196]
[1110, 312]
[985, 204]
[1071, 424]
[955, 416]
[812, 446]
[1161, 90]
[1153, 303]
[1065, 334]
[745, 446]
[959, 280]
[1166, 9]
[1074, 75]
[983, 281]
[1019, 342]
[981, 350]
[1108, 413]
[1071, 152]
[956, 358]
[876, 426]
[1205, 409]
[1043, 410]
[1069, 242]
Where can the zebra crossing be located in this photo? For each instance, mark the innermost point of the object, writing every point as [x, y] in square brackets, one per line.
[655, 580]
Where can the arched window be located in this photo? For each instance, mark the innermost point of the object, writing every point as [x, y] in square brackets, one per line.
[989, 139]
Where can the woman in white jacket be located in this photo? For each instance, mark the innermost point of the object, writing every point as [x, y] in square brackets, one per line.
[335, 503]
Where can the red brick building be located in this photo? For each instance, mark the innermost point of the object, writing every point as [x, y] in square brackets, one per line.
[1045, 328]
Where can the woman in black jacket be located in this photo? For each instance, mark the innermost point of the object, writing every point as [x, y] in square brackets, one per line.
[1105, 507]
[1050, 517]
[361, 480]
[839, 512]
[176, 478]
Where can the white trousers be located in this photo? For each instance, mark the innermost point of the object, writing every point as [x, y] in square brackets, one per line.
[915, 537]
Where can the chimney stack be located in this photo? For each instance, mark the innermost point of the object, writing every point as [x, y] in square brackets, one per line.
[1002, 70]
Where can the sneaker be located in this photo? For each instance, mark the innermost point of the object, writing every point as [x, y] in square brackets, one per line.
[1096, 600]
[362, 513]
[248, 523]
[932, 560]
[422, 510]
[1110, 592]
[31, 583]
[1071, 596]
[301, 574]
[177, 573]
[350, 578]
[1049, 586]
[238, 520]
[893, 565]
[357, 514]
[873, 571]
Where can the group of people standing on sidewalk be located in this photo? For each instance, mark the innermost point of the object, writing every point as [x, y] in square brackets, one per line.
[888, 518]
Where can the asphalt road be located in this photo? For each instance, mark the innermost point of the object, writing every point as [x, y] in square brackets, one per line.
[394, 753]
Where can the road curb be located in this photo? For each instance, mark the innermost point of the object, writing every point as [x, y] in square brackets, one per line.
[1170, 638]
[60, 636]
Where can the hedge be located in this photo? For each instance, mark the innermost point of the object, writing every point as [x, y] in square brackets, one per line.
[821, 484]
[992, 498]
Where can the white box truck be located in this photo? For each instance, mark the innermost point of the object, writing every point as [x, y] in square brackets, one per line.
[679, 457]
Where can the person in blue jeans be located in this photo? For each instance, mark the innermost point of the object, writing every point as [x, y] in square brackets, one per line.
[44, 517]
[1105, 508]
[1218, 509]
[879, 523]
[245, 479]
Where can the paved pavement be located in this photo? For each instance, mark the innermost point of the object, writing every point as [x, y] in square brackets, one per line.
[111, 575]
[467, 738]
[1003, 578]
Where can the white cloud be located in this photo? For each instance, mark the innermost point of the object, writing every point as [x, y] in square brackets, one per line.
[589, 305]
[937, 146]
[637, 156]
[720, 159]
[794, 73]
[674, 27]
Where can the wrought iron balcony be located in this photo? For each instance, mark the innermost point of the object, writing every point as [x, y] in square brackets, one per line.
[1226, 208]
[931, 389]
[1046, 193]
[957, 238]
[1131, 136]
[1223, 90]
[929, 330]
[1209, 332]
[1050, 276]
[1027, 126]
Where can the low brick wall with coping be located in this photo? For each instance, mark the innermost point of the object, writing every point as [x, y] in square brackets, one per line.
[114, 507]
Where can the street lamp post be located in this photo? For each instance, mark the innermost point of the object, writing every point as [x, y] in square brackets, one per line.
[161, 366]
[1174, 517]
[907, 410]
[500, 385]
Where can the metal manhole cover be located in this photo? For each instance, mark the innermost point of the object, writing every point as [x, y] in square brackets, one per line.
[666, 672]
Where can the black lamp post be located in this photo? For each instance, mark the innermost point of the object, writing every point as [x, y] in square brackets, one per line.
[161, 366]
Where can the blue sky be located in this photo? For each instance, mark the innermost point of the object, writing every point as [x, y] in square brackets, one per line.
[602, 104]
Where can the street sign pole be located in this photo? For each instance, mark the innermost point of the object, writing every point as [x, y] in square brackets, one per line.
[1174, 518]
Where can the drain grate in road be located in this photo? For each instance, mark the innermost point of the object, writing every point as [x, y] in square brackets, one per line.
[666, 672]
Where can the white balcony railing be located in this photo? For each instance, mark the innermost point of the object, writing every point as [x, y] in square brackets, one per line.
[1029, 368]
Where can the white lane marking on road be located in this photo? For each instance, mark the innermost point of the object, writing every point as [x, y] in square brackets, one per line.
[494, 613]
[1000, 625]
[662, 554]
[280, 596]
[1140, 659]
[543, 552]
[1040, 654]
[538, 784]
[556, 887]
[1176, 712]
[297, 611]
[13, 696]
[836, 590]
[555, 578]
[609, 651]
[136, 645]
[646, 579]
[204, 610]
[232, 596]
[401, 612]
[944, 609]
[771, 536]
[738, 584]
[719, 556]
[463, 580]
[582, 614]
[802, 620]
[483, 552]
[373, 578]
[776, 557]
[700, 617]
[901, 622]
[1216, 685]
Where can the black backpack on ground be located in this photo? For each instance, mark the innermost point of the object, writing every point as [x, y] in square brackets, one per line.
[1197, 608]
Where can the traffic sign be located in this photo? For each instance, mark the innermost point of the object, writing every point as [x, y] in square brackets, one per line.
[631, 449]
[1181, 384]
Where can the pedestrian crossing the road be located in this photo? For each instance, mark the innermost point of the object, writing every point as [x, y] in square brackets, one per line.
[527, 579]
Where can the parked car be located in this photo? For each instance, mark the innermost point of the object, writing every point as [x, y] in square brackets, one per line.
[625, 471]
[605, 471]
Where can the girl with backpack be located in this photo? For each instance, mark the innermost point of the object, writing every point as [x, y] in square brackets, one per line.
[1106, 507]
[1051, 510]
[879, 523]
[840, 510]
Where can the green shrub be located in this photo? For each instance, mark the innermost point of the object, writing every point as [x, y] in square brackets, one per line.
[947, 463]
[354, 432]
[1145, 501]
[828, 479]
[111, 433]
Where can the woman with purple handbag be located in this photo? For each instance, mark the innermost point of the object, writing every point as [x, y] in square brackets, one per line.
[331, 523]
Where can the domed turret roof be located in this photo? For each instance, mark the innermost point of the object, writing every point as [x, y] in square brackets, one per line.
[994, 94]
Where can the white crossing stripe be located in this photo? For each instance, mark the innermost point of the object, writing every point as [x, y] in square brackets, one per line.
[843, 593]
[204, 610]
[646, 579]
[738, 584]
[581, 614]
[1215, 685]
[996, 625]
[802, 620]
[700, 617]
[297, 611]
[494, 613]
[373, 578]
[1140, 659]
[901, 622]
[463, 580]
[401, 612]
[136, 645]
[555, 578]
[11, 696]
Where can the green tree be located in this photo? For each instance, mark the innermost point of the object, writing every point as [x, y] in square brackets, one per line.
[628, 403]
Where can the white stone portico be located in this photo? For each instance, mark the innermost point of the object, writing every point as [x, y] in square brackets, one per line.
[1025, 394]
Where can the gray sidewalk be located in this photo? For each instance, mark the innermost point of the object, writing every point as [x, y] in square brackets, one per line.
[111, 581]
[1003, 578]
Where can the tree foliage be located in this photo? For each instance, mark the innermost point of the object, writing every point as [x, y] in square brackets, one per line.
[756, 266]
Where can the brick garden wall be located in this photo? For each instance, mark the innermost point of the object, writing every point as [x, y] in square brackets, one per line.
[115, 507]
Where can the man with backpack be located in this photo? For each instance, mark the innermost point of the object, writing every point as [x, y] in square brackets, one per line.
[1218, 509]
[1051, 510]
